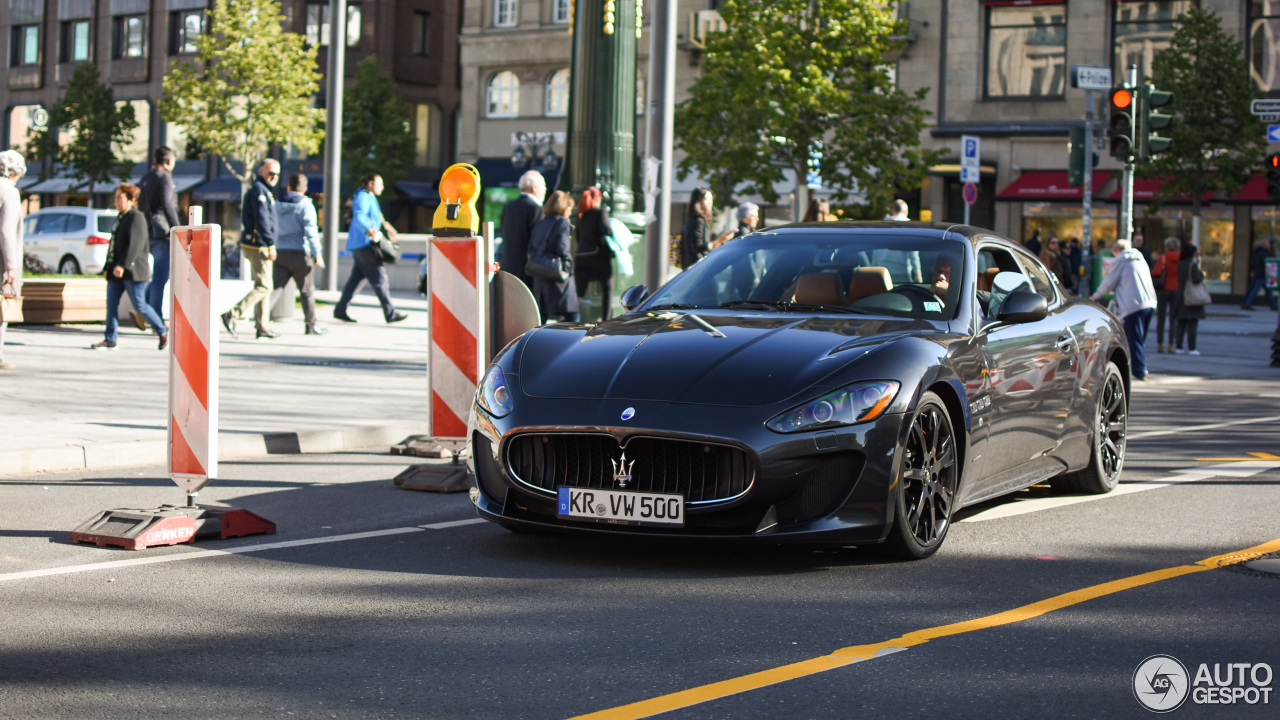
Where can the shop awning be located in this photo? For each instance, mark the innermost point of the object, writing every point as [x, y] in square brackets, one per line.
[1040, 185]
[422, 193]
[1253, 191]
[220, 189]
[1145, 191]
[27, 181]
[54, 185]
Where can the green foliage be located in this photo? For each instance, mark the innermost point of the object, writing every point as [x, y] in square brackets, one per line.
[1217, 143]
[250, 85]
[97, 126]
[376, 136]
[788, 74]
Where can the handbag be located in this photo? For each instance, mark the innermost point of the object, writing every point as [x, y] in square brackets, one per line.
[388, 250]
[1196, 295]
[11, 309]
[544, 265]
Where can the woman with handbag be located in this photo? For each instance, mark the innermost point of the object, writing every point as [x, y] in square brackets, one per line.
[128, 268]
[1191, 301]
[12, 167]
[594, 259]
[363, 238]
[549, 248]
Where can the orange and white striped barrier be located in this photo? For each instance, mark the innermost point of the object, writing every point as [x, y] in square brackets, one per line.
[193, 355]
[456, 318]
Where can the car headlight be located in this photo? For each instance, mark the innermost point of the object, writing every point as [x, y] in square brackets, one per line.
[493, 394]
[857, 403]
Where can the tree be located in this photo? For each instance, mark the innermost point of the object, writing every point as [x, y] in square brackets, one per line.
[250, 85]
[376, 136]
[1217, 142]
[97, 128]
[802, 84]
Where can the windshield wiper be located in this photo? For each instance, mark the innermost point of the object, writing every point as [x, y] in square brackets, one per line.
[789, 306]
[769, 304]
[671, 306]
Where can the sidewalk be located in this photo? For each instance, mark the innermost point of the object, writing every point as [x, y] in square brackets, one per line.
[66, 407]
[363, 384]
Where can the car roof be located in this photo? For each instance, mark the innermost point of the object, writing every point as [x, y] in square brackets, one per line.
[953, 231]
[76, 209]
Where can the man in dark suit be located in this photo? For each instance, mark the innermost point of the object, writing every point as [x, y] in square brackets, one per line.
[159, 205]
[518, 218]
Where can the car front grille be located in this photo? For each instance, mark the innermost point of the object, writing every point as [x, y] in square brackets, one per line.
[702, 472]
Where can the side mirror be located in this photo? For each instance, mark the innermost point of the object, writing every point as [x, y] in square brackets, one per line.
[1023, 306]
[634, 297]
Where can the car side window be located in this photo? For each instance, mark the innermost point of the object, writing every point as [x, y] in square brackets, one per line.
[1040, 279]
[52, 223]
[991, 260]
[106, 223]
[75, 223]
[29, 227]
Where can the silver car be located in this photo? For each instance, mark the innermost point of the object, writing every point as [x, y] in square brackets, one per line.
[72, 240]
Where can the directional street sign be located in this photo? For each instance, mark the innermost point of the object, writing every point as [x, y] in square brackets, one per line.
[1089, 77]
[1273, 133]
[1265, 107]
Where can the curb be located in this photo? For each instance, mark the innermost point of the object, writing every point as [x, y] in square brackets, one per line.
[232, 445]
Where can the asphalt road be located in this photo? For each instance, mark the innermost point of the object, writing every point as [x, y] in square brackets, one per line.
[372, 602]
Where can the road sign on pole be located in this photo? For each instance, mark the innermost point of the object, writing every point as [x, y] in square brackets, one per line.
[970, 162]
[1273, 133]
[1265, 107]
[1090, 77]
[970, 193]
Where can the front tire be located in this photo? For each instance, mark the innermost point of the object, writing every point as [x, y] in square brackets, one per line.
[927, 483]
[1110, 428]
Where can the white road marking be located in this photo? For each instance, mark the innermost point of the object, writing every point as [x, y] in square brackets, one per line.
[1194, 428]
[244, 550]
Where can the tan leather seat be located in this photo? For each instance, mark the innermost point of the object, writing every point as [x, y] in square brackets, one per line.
[868, 281]
[986, 277]
[818, 289]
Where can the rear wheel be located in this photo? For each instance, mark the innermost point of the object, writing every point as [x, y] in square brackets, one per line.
[1110, 427]
[927, 483]
[68, 265]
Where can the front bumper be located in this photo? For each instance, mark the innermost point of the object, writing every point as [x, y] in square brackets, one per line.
[829, 487]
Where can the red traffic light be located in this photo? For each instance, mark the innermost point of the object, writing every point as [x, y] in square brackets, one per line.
[1274, 161]
[1122, 98]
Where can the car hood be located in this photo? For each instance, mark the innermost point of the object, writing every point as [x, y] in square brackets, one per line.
[717, 359]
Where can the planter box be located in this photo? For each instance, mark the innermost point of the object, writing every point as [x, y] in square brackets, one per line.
[48, 301]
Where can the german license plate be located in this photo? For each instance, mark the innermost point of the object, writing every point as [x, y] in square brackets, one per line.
[621, 507]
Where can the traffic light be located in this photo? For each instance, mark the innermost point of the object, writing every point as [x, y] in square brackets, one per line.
[1078, 166]
[1273, 178]
[1150, 122]
[1124, 103]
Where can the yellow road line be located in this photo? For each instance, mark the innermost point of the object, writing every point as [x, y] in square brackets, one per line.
[858, 653]
[1256, 456]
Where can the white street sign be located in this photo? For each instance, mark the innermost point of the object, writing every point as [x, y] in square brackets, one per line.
[1090, 77]
[1269, 117]
[970, 158]
[1265, 107]
[970, 175]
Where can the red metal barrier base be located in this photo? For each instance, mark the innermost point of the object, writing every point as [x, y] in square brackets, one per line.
[169, 525]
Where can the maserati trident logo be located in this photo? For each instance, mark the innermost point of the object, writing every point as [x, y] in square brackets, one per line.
[622, 470]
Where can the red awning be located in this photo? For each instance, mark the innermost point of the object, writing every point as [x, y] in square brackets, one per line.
[1035, 185]
[1145, 191]
[1253, 191]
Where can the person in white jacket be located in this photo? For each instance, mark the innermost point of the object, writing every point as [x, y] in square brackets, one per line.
[12, 167]
[1130, 280]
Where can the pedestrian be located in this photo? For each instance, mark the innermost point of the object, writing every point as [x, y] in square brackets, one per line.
[695, 235]
[551, 236]
[1072, 259]
[1051, 256]
[594, 258]
[748, 219]
[1033, 243]
[820, 211]
[367, 225]
[898, 211]
[159, 205]
[1164, 275]
[518, 218]
[259, 223]
[1189, 316]
[1258, 275]
[1130, 280]
[128, 267]
[12, 167]
[1139, 244]
[298, 249]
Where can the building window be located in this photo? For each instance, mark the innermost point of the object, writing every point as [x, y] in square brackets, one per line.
[184, 27]
[137, 147]
[1026, 50]
[318, 24]
[504, 95]
[504, 13]
[75, 41]
[1143, 29]
[1264, 45]
[427, 125]
[560, 11]
[421, 33]
[24, 45]
[128, 36]
[558, 93]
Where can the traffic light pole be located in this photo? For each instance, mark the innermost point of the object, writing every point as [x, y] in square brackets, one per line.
[1126, 200]
[1088, 171]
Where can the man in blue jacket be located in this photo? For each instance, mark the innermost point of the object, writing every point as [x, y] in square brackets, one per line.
[258, 232]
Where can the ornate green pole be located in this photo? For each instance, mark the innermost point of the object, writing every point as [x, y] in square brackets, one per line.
[602, 143]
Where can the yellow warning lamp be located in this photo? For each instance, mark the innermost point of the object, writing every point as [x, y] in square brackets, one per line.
[456, 216]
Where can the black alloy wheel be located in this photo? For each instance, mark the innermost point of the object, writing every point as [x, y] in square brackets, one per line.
[1110, 430]
[928, 480]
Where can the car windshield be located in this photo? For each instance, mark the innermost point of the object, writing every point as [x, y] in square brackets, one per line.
[899, 273]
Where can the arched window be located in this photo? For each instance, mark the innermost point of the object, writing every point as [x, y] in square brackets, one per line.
[504, 95]
[558, 93]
